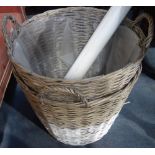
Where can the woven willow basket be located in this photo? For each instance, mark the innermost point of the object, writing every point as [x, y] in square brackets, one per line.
[75, 112]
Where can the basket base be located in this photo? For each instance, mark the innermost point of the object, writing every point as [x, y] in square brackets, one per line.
[82, 136]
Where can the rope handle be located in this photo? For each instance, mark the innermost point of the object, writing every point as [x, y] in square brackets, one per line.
[71, 91]
[146, 42]
[16, 29]
[76, 93]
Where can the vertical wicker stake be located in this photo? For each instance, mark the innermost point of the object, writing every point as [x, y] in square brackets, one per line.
[97, 42]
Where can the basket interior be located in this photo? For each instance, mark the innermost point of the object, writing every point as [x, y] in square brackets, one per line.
[51, 43]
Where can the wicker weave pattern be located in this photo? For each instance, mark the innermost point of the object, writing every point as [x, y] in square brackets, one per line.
[87, 124]
[74, 114]
[78, 106]
[82, 136]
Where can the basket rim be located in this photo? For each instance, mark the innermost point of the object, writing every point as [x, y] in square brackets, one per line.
[127, 23]
[95, 78]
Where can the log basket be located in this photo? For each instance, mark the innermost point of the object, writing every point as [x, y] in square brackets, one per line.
[75, 112]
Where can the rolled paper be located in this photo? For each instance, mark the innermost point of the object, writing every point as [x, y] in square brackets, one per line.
[97, 42]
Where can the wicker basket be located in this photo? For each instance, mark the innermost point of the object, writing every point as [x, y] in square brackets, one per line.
[76, 112]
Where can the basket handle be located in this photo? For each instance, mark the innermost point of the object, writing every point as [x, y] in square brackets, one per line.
[71, 91]
[75, 92]
[10, 38]
[146, 42]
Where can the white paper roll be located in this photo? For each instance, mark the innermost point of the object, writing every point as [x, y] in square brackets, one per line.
[97, 42]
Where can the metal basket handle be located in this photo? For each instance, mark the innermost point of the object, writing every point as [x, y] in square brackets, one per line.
[10, 38]
[146, 42]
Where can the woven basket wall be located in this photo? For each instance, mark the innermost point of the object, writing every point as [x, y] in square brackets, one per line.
[82, 111]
